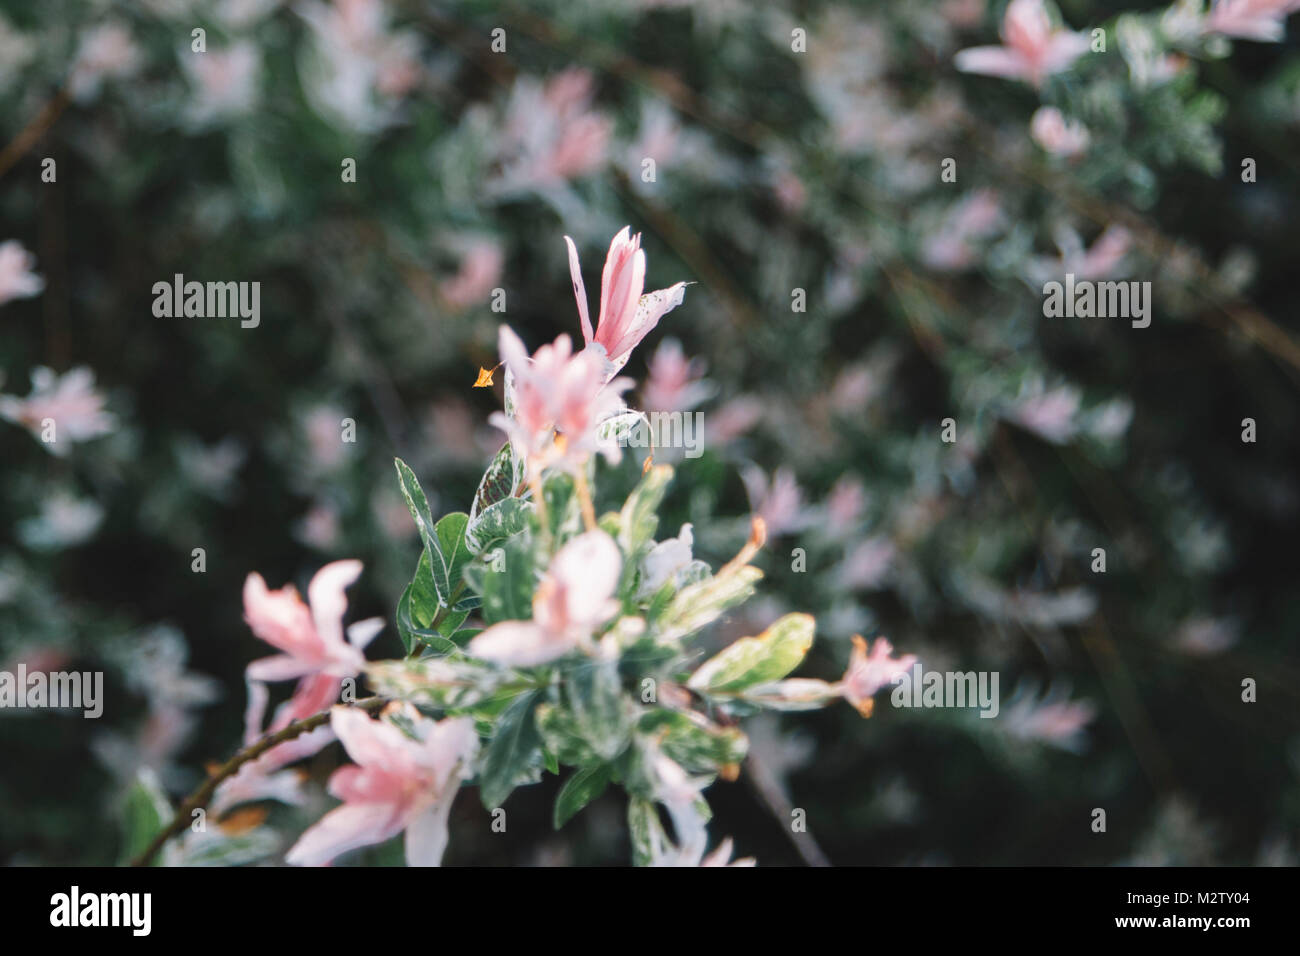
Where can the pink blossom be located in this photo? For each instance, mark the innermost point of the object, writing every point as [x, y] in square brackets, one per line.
[480, 271]
[311, 639]
[1059, 136]
[675, 383]
[867, 564]
[398, 783]
[572, 601]
[1034, 48]
[844, 504]
[779, 502]
[1049, 414]
[225, 81]
[17, 280]
[1053, 720]
[868, 673]
[69, 401]
[1251, 19]
[106, 50]
[556, 390]
[550, 134]
[952, 246]
[626, 316]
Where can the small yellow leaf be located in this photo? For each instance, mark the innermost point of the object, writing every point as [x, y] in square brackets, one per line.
[484, 379]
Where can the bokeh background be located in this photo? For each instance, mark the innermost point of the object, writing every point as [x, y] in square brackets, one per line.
[797, 150]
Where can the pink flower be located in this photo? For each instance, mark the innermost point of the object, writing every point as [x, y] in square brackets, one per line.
[1059, 136]
[868, 673]
[556, 390]
[1049, 414]
[1053, 720]
[1034, 48]
[953, 245]
[106, 50]
[17, 281]
[225, 82]
[311, 639]
[778, 502]
[1251, 19]
[480, 271]
[572, 601]
[626, 316]
[398, 783]
[69, 401]
[675, 383]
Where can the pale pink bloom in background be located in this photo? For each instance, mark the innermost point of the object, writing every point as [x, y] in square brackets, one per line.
[574, 598]
[626, 315]
[779, 502]
[398, 783]
[963, 13]
[319, 527]
[867, 564]
[1251, 19]
[1059, 136]
[479, 273]
[869, 672]
[734, 418]
[1053, 720]
[356, 66]
[556, 390]
[550, 134]
[245, 13]
[1034, 47]
[225, 81]
[675, 383]
[17, 280]
[1050, 414]
[70, 401]
[844, 504]
[1106, 258]
[953, 244]
[323, 426]
[1206, 636]
[106, 51]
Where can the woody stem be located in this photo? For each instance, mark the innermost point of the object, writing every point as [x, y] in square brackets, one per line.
[200, 797]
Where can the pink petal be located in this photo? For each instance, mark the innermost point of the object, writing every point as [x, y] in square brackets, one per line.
[426, 835]
[517, 644]
[345, 828]
[992, 61]
[328, 602]
[579, 291]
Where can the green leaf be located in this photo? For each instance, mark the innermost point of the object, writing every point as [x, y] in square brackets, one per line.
[599, 708]
[648, 838]
[448, 556]
[505, 579]
[640, 515]
[144, 815]
[514, 755]
[579, 790]
[496, 523]
[444, 542]
[757, 660]
[701, 604]
[500, 482]
[694, 742]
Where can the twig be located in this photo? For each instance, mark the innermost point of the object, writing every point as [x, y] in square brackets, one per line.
[200, 797]
[33, 131]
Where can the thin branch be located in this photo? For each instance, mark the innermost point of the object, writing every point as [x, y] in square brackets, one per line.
[31, 133]
[200, 797]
